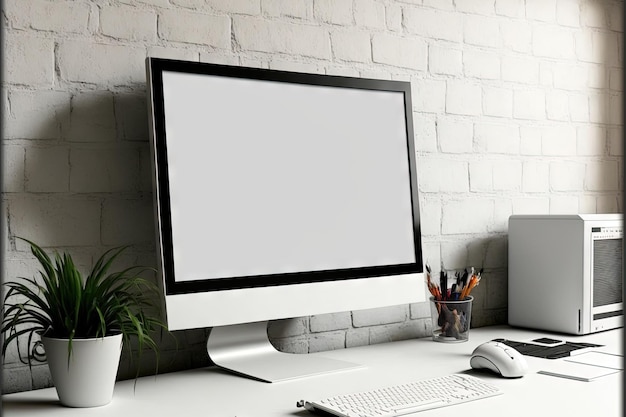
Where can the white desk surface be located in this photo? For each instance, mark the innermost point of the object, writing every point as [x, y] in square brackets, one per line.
[211, 392]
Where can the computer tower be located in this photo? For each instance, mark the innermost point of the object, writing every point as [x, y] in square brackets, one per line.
[566, 272]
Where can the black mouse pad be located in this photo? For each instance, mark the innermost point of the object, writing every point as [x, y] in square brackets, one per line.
[546, 352]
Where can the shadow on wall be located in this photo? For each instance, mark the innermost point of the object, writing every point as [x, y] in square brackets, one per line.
[78, 179]
[607, 109]
[81, 184]
[491, 255]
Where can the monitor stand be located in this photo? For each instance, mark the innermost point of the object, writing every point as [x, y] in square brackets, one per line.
[245, 349]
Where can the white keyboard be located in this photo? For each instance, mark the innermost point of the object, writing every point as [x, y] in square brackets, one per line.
[406, 399]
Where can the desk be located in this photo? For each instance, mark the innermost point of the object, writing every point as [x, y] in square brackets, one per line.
[211, 392]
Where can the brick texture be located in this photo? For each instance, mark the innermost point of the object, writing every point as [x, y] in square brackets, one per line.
[517, 105]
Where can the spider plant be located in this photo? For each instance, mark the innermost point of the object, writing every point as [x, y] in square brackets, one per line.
[61, 304]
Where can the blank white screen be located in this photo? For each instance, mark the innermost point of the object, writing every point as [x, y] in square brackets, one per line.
[269, 177]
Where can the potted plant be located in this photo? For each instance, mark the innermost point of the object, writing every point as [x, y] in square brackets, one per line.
[83, 323]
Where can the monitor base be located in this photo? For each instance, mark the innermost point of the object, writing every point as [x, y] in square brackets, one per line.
[246, 350]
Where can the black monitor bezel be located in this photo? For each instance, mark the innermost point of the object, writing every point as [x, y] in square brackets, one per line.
[155, 69]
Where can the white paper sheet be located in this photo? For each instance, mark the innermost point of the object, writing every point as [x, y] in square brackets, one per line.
[601, 359]
[577, 371]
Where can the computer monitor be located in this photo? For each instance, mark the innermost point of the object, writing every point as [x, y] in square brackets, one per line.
[279, 195]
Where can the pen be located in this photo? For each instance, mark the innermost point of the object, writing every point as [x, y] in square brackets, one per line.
[466, 289]
[473, 282]
[459, 289]
[442, 282]
[464, 277]
[431, 287]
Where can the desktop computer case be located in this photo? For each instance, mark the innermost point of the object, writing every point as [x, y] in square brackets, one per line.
[566, 272]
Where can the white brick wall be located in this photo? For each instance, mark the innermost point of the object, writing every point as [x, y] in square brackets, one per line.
[529, 104]
[559, 140]
[429, 96]
[517, 109]
[479, 64]
[199, 28]
[126, 222]
[497, 101]
[104, 170]
[553, 42]
[36, 115]
[73, 221]
[379, 316]
[352, 46]
[256, 34]
[557, 103]
[48, 169]
[443, 175]
[567, 176]
[13, 170]
[100, 63]
[60, 16]
[535, 177]
[393, 17]
[543, 10]
[334, 321]
[520, 69]
[128, 23]
[369, 14]
[301, 9]
[455, 135]
[28, 59]
[463, 97]
[337, 12]
[399, 52]
[92, 118]
[455, 218]
[481, 31]
[516, 35]
[510, 8]
[434, 24]
[497, 138]
[445, 60]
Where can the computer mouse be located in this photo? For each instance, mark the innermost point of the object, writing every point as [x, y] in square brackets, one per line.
[499, 358]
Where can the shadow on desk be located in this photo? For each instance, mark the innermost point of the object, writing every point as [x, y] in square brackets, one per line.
[19, 404]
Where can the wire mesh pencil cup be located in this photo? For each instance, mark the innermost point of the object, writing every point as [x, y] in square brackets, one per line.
[451, 319]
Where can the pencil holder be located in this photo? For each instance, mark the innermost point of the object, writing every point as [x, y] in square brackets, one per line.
[451, 319]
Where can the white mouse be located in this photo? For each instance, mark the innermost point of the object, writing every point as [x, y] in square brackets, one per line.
[499, 358]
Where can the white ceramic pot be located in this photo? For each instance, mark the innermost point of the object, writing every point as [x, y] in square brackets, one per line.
[89, 378]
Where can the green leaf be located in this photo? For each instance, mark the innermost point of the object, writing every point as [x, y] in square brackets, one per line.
[59, 302]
